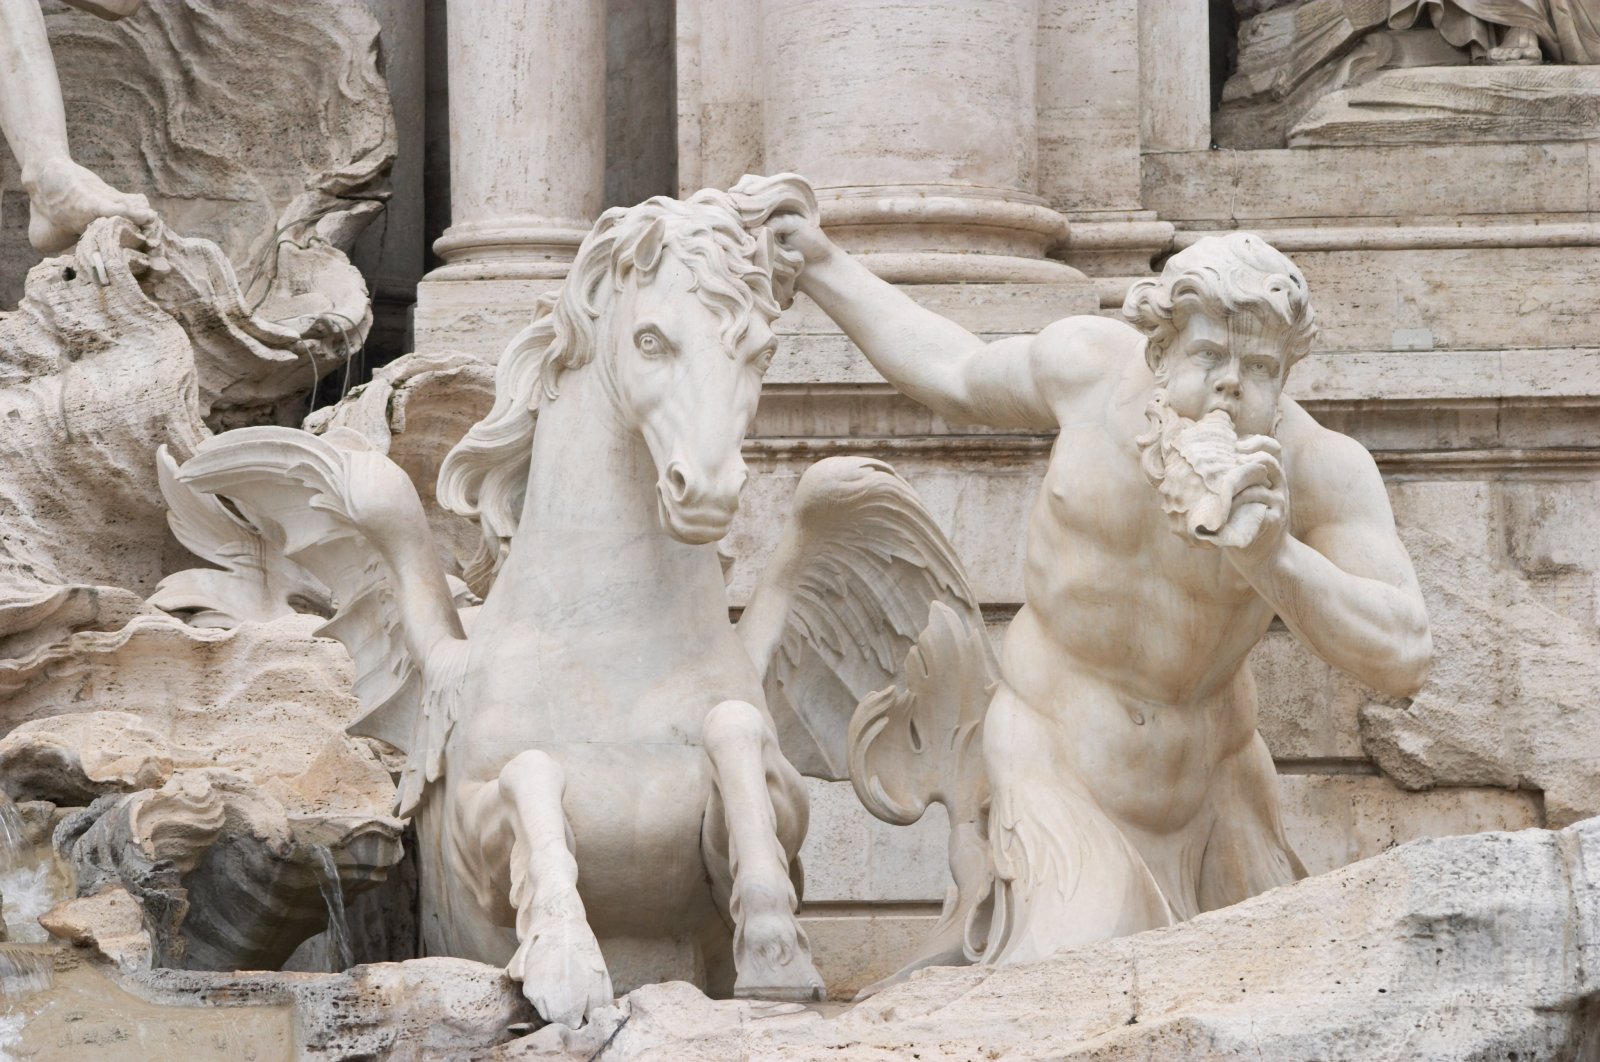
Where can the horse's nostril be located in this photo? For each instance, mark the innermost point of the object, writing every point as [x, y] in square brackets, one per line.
[677, 482]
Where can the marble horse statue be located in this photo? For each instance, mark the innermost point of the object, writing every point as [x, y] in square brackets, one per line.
[604, 771]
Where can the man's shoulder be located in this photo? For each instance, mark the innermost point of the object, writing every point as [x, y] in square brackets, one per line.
[1327, 469]
[1076, 352]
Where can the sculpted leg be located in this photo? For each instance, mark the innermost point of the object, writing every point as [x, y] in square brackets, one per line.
[1247, 852]
[558, 959]
[753, 829]
[1065, 874]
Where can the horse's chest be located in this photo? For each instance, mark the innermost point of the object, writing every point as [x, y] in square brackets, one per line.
[535, 686]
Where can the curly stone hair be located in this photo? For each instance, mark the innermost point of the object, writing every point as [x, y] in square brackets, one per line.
[1222, 276]
[738, 269]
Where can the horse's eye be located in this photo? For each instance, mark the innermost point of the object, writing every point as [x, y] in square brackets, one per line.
[650, 344]
[764, 359]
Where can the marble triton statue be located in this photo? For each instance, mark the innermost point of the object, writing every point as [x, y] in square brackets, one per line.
[1187, 503]
[599, 763]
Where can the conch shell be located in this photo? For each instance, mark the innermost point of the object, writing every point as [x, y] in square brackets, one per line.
[1204, 470]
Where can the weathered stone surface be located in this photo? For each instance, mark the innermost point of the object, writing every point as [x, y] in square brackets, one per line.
[1461, 948]
[110, 921]
[1457, 104]
[1514, 697]
[269, 701]
[1494, 182]
[232, 746]
[415, 409]
[94, 378]
[873, 890]
[264, 127]
[418, 1011]
[228, 879]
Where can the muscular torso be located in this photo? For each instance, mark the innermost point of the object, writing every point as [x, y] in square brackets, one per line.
[1131, 643]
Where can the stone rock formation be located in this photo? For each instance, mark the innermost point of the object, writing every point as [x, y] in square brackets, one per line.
[1515, 700]
[1314, 73]
[413, 411]
[264, 127]
[1465, 947]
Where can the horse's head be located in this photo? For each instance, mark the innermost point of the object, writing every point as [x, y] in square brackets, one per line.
[677, 298]
[690, 337]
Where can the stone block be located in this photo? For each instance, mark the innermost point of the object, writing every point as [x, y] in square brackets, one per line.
[1336, 819]
[1462, 947]
[1308, 708]
[857, 949]
[1418, 181]
[1457, 104]
[851, 857]
[1520, 300]
[1088, 96]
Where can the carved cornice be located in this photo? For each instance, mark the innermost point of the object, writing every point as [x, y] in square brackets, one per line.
[993, 450]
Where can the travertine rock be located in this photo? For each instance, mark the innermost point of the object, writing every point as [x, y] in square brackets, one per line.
[1468, 947]
[414, 410]
[423, 1010]
[265, 127]
[1456, 104]
[224, 766]
[94, 378]
[110, 921]
[1514, 700]
[227, 877]
[268, 701]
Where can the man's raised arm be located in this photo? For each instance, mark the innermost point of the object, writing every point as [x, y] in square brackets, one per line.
[927, 357]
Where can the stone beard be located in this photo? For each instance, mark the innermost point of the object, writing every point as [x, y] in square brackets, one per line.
[1198, 466]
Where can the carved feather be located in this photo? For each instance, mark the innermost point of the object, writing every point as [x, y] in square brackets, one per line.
[878, 664]
[343, 512]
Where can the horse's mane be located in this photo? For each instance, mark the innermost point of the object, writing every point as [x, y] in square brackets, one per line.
[738, 269]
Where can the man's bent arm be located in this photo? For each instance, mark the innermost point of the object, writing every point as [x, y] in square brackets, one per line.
[1348, 590]
[929, 358]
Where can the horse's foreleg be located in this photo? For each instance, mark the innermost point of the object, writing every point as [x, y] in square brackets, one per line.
[558, 959]
[753, 829]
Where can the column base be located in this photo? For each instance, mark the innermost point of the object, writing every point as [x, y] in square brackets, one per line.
[483, 294]
[942, 234]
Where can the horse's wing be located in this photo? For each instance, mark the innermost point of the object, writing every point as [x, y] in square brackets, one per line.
[350, 517]
[252, 581]
[878, 666]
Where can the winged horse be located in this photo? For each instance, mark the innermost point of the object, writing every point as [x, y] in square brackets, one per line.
[598, 772]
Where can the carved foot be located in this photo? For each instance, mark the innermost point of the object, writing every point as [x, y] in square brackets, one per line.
[773, 959]
[560, 966]
[64, 198]
[1519, 47]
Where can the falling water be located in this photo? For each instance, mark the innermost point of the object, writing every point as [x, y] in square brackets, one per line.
[13, 842]
[23, 971]
[26, 887]
[30, 882]
[340, 952]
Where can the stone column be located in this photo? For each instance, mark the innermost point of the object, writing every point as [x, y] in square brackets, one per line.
[527, 161]
[917, 122]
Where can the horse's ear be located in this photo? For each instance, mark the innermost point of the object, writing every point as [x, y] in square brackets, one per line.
[766, 250]
[648, 250]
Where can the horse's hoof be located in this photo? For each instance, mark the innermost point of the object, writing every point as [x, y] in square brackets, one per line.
[773, 960]
[562, 973]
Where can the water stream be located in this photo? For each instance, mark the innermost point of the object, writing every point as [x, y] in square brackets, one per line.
[31, 881]
[29, 887]
[341, 954]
